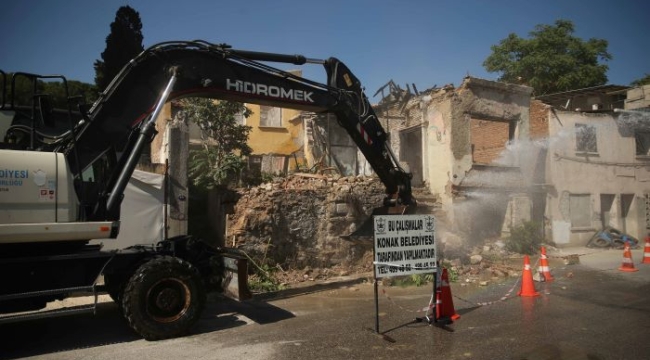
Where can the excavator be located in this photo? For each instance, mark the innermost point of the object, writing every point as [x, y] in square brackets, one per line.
[59, 190]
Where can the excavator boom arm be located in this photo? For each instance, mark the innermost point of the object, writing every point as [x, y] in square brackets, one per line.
[202, 69]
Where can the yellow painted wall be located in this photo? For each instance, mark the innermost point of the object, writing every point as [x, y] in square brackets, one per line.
[283, 140]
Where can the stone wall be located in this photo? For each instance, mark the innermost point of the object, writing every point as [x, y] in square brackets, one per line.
[297, 221]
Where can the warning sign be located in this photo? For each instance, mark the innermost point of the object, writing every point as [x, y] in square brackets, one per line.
[404, 245]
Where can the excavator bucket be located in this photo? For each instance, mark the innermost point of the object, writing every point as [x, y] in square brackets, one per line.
[235, 280]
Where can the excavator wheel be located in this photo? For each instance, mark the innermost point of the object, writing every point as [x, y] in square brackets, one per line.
[164, 298]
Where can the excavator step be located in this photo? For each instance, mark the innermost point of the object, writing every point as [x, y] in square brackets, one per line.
[78, 289]
[84, 309]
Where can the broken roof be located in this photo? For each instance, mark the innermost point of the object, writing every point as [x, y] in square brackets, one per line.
[561, 97]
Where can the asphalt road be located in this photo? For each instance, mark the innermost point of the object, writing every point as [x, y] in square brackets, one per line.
[591, 311]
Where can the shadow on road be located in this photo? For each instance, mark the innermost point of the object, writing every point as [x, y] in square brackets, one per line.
[108, 326]
[44, 336]
[223, 313]
[310, 289]
[467, 310]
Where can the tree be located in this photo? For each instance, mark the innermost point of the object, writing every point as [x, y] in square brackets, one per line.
[86, 92]
[551, 60]
[642, 81]
[223, 140]
[122, 44]
[23, 92]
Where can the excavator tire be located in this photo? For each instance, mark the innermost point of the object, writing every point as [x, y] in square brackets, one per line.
[164, 298]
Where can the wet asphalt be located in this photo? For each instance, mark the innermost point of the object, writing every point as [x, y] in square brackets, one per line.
[590, 311]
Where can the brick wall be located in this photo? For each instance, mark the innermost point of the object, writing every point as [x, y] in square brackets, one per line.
[538, 119]
[488, 139]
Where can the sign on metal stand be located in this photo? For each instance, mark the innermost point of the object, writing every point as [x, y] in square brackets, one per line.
[404, 245]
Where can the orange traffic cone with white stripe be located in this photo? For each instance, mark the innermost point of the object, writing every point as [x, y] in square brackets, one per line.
[628, 264]
[646, 251]
[527, 285]
[544, 270]
[444, 303]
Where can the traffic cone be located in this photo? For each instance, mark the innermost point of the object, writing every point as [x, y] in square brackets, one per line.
[627, 265]
[527, 285]
[444, 303]
[544, 269]
[646, 251]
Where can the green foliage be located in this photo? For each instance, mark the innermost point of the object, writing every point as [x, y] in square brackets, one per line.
[642, 81]
[413, 279]
[250, 177]
[224, 141]
[254, 177]
[452, 272]
[123, 43]
[208, 167]
[266, 177]
[24, 92]
[420, 279]
[87, 93]
[551, 60]
[525, 238]
[262, 279]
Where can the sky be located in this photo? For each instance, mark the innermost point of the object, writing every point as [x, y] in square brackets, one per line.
[426, 43]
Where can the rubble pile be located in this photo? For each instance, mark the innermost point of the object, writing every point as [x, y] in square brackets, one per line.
[296, 222]
[482, 265]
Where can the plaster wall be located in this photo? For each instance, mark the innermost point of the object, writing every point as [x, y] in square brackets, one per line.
[445, 116]
[449, 116]
[438, 170]
[158, 156]
[283, 140]
[638, 97]
[612, 172]
[329, 148]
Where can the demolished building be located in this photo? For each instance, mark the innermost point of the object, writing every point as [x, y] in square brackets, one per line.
[597, 162]
[453, 141]
[574, 162]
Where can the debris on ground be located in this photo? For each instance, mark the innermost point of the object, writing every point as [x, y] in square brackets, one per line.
[293, 226]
